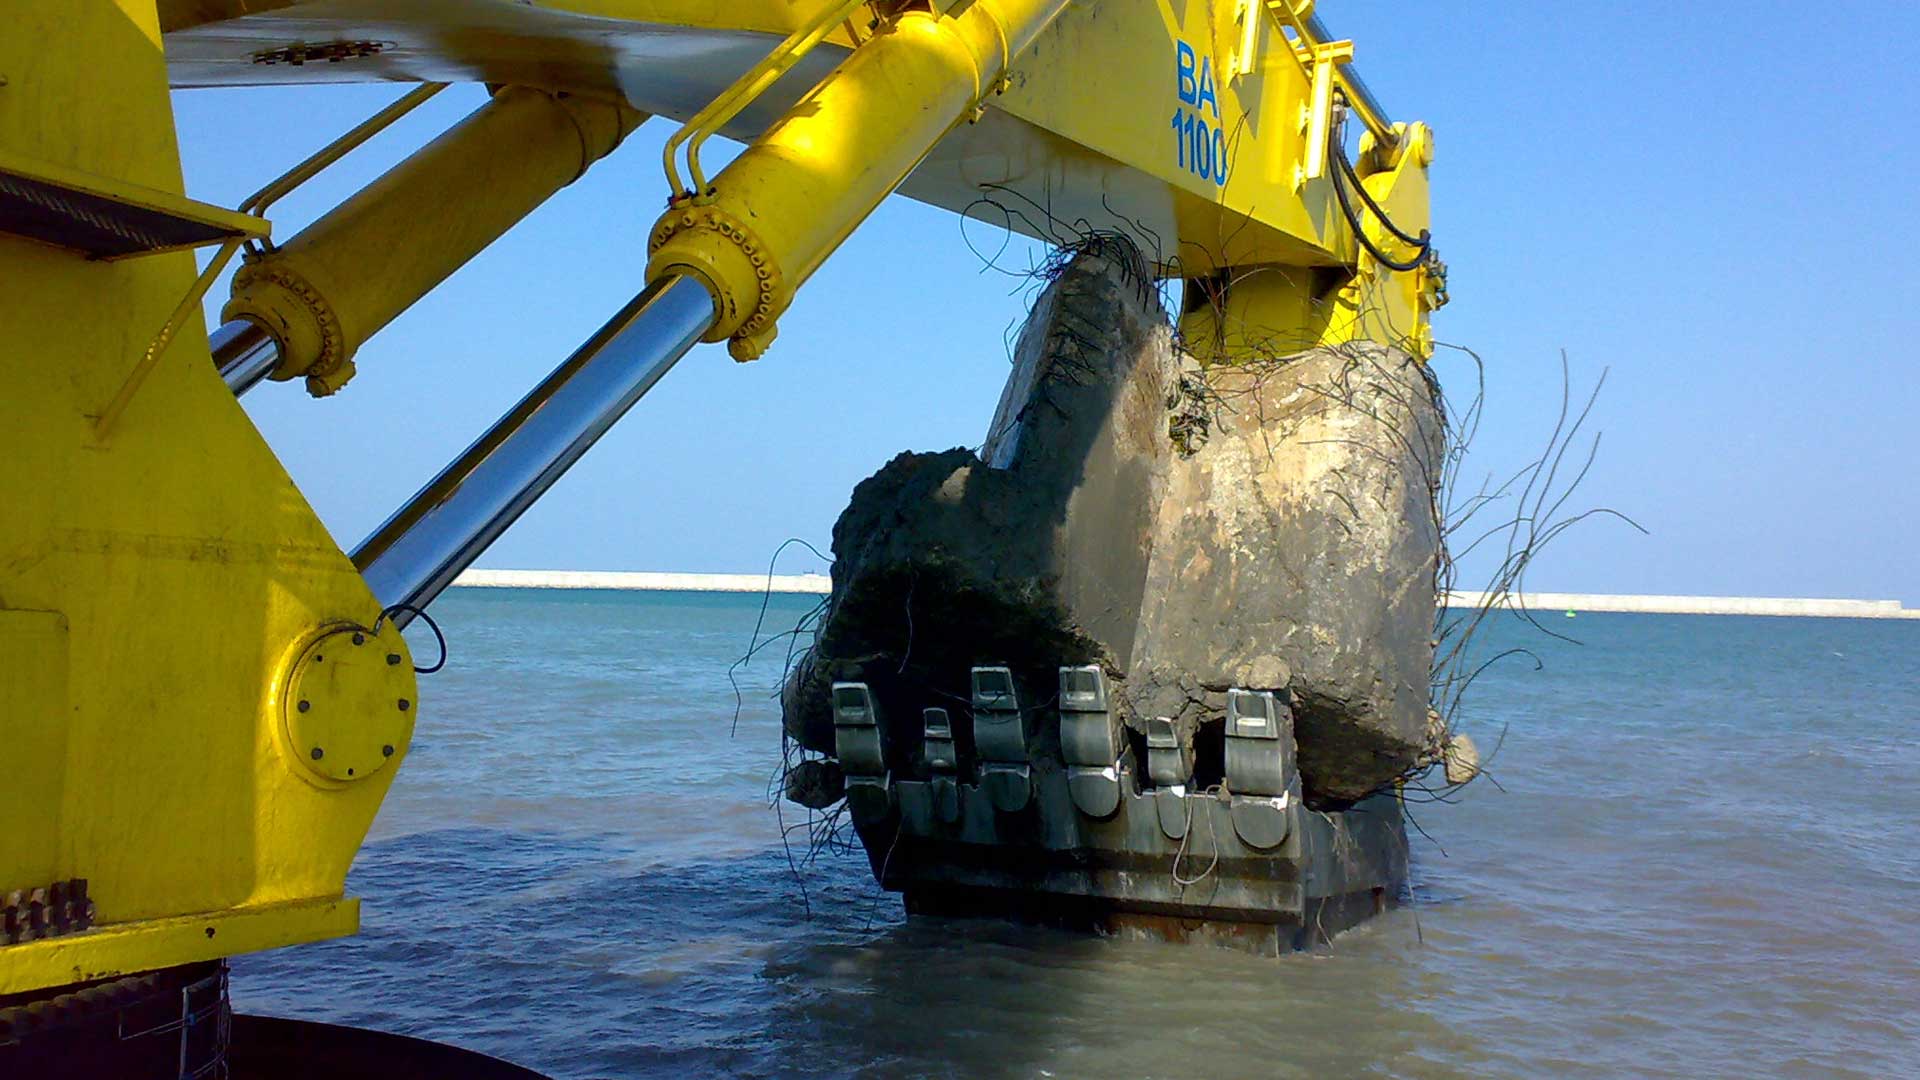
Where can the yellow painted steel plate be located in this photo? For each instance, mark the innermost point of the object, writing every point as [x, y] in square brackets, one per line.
[349, 705]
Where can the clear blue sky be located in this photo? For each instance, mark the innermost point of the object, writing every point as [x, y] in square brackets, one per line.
[1713, 200]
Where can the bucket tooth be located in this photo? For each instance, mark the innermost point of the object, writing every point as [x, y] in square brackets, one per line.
[1000, 738]
[1170, 767]
[943, 763]
[1260, 769]
[859, 742]
[1089, 741]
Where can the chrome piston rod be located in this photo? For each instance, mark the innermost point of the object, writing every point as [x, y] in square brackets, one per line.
[444, 528]
[244, 353]
[1360, 89]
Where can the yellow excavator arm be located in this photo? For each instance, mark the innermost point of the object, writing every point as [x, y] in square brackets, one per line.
[202, 698]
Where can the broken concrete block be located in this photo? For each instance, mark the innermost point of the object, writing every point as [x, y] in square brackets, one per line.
[1461, 758]
[1296, 550]
[1286, 544]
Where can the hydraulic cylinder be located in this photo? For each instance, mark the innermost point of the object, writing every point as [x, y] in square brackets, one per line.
[805, 185]
[244, 354]
[775, 214]
[443, 529]
[321, 295]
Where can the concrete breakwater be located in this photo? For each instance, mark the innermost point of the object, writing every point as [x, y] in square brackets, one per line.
[821, 584]
[1699, 605]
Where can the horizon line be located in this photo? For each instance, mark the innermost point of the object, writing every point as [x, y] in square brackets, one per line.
[822, 584]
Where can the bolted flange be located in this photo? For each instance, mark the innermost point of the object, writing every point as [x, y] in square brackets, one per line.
[273, 292]
[348, 706]
[730, 258]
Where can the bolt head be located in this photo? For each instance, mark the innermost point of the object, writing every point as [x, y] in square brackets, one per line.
[317, 753]
[305, 705]
[405, 704]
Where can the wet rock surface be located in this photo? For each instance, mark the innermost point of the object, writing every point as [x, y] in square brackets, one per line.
[1296, 550]
[1292, 548]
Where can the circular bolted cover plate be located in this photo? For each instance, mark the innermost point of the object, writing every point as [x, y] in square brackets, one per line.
[350, 702]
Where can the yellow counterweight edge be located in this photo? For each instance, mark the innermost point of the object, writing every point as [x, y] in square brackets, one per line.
[128, 948]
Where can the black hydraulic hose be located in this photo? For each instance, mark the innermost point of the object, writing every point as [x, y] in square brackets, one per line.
[1367, 198]
[1424, 241]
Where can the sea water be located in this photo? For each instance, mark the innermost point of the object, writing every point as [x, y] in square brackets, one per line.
[1701, 858]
